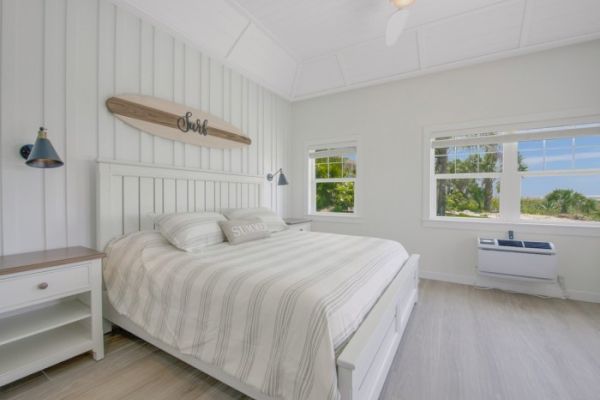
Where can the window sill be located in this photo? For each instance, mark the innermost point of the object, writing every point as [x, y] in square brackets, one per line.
[568, 229]
[321, 217]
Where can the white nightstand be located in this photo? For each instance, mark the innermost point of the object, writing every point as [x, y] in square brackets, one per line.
[50, 309]
[298, 224]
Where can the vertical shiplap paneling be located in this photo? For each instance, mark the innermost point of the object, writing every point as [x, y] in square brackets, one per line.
[146, 78]
[253, 128]
[82, 102]
[216, 82]
[163, 87]
[55, 15]
[192, 99]
[59, 62]
[127, 80]
[2, 100]
[22, 85]
[260, 114]
[178, 95]
[205, 103]
[106, 16]
[267, 144]
[244, 122]
[235, 116]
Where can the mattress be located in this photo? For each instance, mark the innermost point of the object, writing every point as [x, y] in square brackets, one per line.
[272, 313]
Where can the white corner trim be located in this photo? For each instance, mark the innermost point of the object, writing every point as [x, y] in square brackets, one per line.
[549, 289]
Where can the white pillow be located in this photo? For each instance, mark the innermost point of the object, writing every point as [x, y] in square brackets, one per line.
[273, 221]
[191, 231]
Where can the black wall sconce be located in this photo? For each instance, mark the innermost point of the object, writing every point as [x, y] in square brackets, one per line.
[282, 181]
[42, 153]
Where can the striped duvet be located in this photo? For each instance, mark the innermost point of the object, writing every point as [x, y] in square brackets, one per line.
[273, 312]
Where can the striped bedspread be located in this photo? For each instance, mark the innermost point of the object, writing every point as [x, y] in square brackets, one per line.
[272, 312]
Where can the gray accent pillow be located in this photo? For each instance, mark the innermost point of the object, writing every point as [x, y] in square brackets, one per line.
[240, 231]
[266, 215]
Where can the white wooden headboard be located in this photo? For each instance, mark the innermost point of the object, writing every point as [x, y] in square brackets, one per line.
[129, 193]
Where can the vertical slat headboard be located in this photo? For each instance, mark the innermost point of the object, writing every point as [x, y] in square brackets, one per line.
[129, 194]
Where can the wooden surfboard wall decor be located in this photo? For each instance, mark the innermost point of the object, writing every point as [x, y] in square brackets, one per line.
[174, 121]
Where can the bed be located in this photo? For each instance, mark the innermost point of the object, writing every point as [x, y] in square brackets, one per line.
[300, 315]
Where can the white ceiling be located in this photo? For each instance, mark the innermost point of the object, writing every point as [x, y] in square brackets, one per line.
[307, 48]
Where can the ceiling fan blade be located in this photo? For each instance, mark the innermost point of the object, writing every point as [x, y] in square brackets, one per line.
[395, 26]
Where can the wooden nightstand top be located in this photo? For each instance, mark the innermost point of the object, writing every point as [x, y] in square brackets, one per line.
[295, 221]
[46, 258]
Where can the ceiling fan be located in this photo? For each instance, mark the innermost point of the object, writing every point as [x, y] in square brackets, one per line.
[397, 22]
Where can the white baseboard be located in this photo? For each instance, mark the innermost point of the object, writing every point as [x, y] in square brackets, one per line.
[582, 295]
[534, 288]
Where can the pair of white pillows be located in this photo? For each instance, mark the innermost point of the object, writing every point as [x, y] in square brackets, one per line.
[193, 231]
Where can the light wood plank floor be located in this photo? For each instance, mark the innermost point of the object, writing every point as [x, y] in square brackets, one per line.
[461, 343]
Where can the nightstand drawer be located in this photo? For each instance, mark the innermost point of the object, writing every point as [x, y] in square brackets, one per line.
[31, 288]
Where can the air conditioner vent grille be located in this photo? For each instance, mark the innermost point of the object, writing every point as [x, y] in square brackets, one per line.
[538, 245]
[510, 243]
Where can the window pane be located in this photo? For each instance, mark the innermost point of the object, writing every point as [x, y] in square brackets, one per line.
[321, 170]
[587, 157]
[349, 166]
[556, 198]
[587, 141]
[468, 159]
[531, 160]
[562, 143]
[490, 162]
[531, 145]
[473, 198]
[335, 197]
[335, 170]
[559, 159]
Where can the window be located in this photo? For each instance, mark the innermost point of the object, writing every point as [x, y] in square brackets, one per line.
[332, 176]
[544, 175]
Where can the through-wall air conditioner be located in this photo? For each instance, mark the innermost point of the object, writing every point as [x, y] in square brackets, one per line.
[517, 259]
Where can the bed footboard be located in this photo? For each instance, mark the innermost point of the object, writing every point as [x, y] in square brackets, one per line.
[364, 364]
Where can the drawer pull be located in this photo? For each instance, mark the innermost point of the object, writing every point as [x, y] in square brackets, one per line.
[43, 285]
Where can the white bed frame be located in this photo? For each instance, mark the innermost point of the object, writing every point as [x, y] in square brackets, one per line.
[128, 195]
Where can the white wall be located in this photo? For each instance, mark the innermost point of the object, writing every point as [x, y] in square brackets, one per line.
[390, 118]
[59, 61]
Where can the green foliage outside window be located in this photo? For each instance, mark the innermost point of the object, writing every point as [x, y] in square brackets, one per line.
[563, 203]
[335, 196]
[478, 198]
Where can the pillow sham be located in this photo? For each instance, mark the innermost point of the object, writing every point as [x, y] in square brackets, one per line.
[245, 230]
[272, 220]
[191, 231]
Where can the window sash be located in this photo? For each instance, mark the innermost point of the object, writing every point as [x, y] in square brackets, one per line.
[334, 180]
[510, 179]
[335, 152]
[344, 151]
[520, 136]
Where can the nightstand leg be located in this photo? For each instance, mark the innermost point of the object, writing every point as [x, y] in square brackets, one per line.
[96, 309]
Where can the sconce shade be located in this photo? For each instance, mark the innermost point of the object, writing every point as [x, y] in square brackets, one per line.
[43, 154]
[282, 181]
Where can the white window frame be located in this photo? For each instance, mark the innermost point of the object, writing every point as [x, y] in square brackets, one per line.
[510, 193]
[310, 198]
